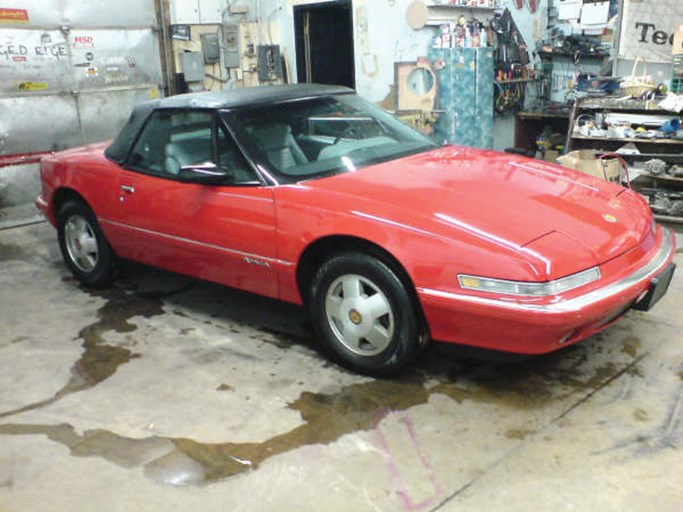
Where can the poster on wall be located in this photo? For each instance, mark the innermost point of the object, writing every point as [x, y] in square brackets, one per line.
[645, 32]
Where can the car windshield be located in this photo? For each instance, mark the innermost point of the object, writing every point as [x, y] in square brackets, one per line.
[321, 136]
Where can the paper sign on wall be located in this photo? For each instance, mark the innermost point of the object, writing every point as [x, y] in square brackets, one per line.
[569, 10]
[594, 14]
[645, 33]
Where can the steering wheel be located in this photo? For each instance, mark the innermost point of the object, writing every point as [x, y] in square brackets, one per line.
[351, 130]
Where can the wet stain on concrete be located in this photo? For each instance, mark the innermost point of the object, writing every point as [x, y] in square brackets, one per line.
[630, 346]
[667, 434]
[326, 418]
[10, 252]
[526, 385]
[640, 415]
[100, 360]
[518, 433]
[125, 452]
[286, 340]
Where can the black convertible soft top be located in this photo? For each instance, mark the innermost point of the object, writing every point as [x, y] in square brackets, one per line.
[234, 98]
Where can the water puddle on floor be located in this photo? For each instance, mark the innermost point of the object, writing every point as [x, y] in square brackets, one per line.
[10, 252]
[183, 461]
[327, 417]
[99, 360]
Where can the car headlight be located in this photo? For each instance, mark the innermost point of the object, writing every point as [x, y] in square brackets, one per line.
[502, 286]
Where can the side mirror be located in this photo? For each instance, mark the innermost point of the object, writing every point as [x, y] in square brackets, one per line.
[204, 174]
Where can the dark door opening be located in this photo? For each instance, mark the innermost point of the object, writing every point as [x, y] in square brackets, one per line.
[324, 43]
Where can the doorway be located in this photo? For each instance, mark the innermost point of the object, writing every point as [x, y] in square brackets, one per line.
[324, 43]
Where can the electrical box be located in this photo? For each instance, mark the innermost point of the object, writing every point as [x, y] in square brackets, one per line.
[231, 46]
[211, 48]
[192, 66]
[269, 64]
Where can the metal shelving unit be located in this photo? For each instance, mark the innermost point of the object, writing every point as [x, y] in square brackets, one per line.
[658, 188]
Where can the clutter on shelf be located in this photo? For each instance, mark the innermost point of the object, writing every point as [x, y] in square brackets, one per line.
[485, 4]
[624, 125]
[574, 46]
[462, 33]
[512, 67]
[645, 136]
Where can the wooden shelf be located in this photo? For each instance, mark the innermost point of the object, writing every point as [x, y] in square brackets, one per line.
[572, 55]
[661, 177]
[668, 218]
[667, 149]
[440, 14]
[629, 139]
[671, 158]
[515, 81]
[534, 114]
[432, 5]
[619, 104]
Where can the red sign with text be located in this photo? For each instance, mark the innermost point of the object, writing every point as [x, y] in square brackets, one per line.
[13, 15]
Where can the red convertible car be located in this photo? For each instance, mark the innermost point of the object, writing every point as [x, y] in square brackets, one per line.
[311, 195]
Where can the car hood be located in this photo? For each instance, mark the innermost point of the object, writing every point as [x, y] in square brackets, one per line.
[510, 202]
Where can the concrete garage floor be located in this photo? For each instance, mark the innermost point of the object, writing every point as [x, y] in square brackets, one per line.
[169, 394]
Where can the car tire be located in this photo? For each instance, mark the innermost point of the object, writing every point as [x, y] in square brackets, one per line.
[84, 247]
[363, 315]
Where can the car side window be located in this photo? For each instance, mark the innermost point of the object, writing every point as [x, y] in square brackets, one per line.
[170, 141]
[232, 162]
[188, 142]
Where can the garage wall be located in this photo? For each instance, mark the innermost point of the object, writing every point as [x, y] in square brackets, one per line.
[382, 36]
[70, 72]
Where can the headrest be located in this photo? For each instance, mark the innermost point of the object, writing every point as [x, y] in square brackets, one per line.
[273, 136]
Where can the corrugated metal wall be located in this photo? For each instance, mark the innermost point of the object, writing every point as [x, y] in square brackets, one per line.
[70, 71]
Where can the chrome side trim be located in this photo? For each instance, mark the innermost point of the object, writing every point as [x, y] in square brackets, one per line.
[248, 257]
[577, 303]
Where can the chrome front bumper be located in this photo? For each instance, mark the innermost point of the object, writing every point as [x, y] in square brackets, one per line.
[581, 302]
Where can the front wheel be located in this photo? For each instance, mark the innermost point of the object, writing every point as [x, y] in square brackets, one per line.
[363, 315]
[83, 245]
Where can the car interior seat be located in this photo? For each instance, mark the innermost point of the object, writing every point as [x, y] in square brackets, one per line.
[172, 163]
[279, 145]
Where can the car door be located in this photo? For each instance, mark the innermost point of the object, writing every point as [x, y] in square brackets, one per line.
[219, 232]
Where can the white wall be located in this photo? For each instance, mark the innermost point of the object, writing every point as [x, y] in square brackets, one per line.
[382, 37]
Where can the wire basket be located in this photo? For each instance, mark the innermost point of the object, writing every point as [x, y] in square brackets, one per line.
[637, 85]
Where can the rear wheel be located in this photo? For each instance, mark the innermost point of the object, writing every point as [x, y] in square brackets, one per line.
[363, 315]
[83, 245]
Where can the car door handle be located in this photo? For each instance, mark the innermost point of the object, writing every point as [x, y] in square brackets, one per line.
[129, 189]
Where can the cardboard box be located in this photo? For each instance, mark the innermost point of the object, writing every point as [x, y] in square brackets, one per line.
[585, 160]
[551, 155]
